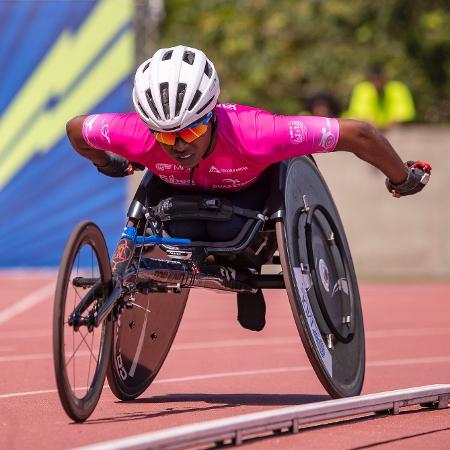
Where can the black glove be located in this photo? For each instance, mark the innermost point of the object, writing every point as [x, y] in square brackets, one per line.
[418, 176]
[118, 166]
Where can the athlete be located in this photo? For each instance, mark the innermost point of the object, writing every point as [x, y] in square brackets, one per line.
[183, 135]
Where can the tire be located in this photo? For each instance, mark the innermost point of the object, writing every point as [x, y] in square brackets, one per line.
[86, 247]
[142, 338]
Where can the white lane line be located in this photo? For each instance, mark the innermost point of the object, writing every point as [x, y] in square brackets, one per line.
[409, 361]
[381, 363]
[234, 374]
[407, 332]
[374, 334]
[28, 334]
[28, 274]
[236, 343]
[38, 356]
[232, 343]
[27, 302]
[6, 349]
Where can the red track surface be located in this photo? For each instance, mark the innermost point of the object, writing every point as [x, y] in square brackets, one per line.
[217, 369]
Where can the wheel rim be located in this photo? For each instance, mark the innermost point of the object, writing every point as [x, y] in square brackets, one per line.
[82, 348]
[81, 354]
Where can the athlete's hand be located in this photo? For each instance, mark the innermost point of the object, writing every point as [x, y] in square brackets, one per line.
[119, 166]
[418, 176]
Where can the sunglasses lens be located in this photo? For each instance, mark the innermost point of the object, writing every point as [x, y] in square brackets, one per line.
[187, 134]
[191, 134]
[165, 138]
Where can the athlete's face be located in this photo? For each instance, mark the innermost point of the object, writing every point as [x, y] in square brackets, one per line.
[189, 154]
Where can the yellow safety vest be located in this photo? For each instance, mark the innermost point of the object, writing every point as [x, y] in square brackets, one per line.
[396, 105]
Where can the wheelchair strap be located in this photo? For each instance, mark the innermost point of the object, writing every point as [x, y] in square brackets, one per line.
[250, 213]
[195, 207]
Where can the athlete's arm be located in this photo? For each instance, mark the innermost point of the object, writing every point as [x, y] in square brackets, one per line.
[74, 129]
[367, 143]
[107, 140]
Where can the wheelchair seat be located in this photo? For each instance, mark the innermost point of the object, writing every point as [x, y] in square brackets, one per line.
[256, 241]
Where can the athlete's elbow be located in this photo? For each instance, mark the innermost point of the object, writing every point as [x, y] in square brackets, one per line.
[356, 137]
[74, 130]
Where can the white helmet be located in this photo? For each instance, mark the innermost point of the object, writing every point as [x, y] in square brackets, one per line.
[174, 88]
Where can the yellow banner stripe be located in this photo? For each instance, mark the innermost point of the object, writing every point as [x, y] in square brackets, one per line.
[66, 61]
[49, 127]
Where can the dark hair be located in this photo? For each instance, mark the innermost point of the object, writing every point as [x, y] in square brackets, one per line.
[327, 98]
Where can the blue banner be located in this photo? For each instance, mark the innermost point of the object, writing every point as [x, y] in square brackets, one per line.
[59, 60]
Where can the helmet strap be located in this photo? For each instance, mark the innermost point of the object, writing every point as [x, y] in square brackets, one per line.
[212, 141]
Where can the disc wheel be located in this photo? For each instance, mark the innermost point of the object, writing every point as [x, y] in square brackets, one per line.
[321, 281]
[81, 351]
[142, 338]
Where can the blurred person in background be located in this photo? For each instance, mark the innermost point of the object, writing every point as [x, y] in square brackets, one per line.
[183, 135]
[380, 101]
[324, 104]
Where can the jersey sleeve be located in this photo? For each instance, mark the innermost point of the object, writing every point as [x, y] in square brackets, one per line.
[271, 138]
[123, 134]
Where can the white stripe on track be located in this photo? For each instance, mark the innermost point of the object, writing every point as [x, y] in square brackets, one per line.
[381, 363]
[28, 274]
[374, 334]
[233, 342]
[25, 334]
[27, 302]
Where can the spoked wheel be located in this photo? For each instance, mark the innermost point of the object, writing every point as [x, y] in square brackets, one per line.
[321, 281]
[142, 338]
[81, 351]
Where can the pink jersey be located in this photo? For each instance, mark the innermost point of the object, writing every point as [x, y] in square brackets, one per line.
[248, 141]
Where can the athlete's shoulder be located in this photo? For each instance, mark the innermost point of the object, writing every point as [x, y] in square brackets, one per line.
[126, 121]
[236, 109]
[243, 119]
[115, 130]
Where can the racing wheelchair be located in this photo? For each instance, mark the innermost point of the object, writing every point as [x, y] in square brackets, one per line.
[125, 312]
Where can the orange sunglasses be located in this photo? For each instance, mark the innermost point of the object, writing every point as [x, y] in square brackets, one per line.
[188, 134]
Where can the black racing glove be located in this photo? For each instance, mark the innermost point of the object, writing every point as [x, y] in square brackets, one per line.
[118, 166]
[418, 176]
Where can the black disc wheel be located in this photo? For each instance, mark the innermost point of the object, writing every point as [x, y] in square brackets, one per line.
[321, 280]
[142, 337]
[81, 350]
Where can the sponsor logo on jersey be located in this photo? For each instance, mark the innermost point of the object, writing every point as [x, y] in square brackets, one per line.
[297, 131]
[165, 166]
[104, 131]
[89, 122]
[328, 140]
[229, 106]
[214, 169]
[172, 180]
[231, 183]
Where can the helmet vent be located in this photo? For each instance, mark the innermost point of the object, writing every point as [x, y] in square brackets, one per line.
[146, 67]
[181, 91]
[189, 57]
[151, 103]
[208, 69]
[195, 100]
[167, 55]
[205, 105]
[141, 110]
[164, 91]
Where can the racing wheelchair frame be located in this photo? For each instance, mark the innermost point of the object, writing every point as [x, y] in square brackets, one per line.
[137, 300]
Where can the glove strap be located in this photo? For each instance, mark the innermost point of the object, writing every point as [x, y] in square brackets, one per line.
[418, 174]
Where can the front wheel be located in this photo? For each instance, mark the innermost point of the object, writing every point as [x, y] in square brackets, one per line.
[81, 351]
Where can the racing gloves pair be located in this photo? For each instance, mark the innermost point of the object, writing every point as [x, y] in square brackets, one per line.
[418, 176]
[118, 166]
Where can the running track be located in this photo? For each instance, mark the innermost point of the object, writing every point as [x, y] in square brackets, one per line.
[216, 369]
